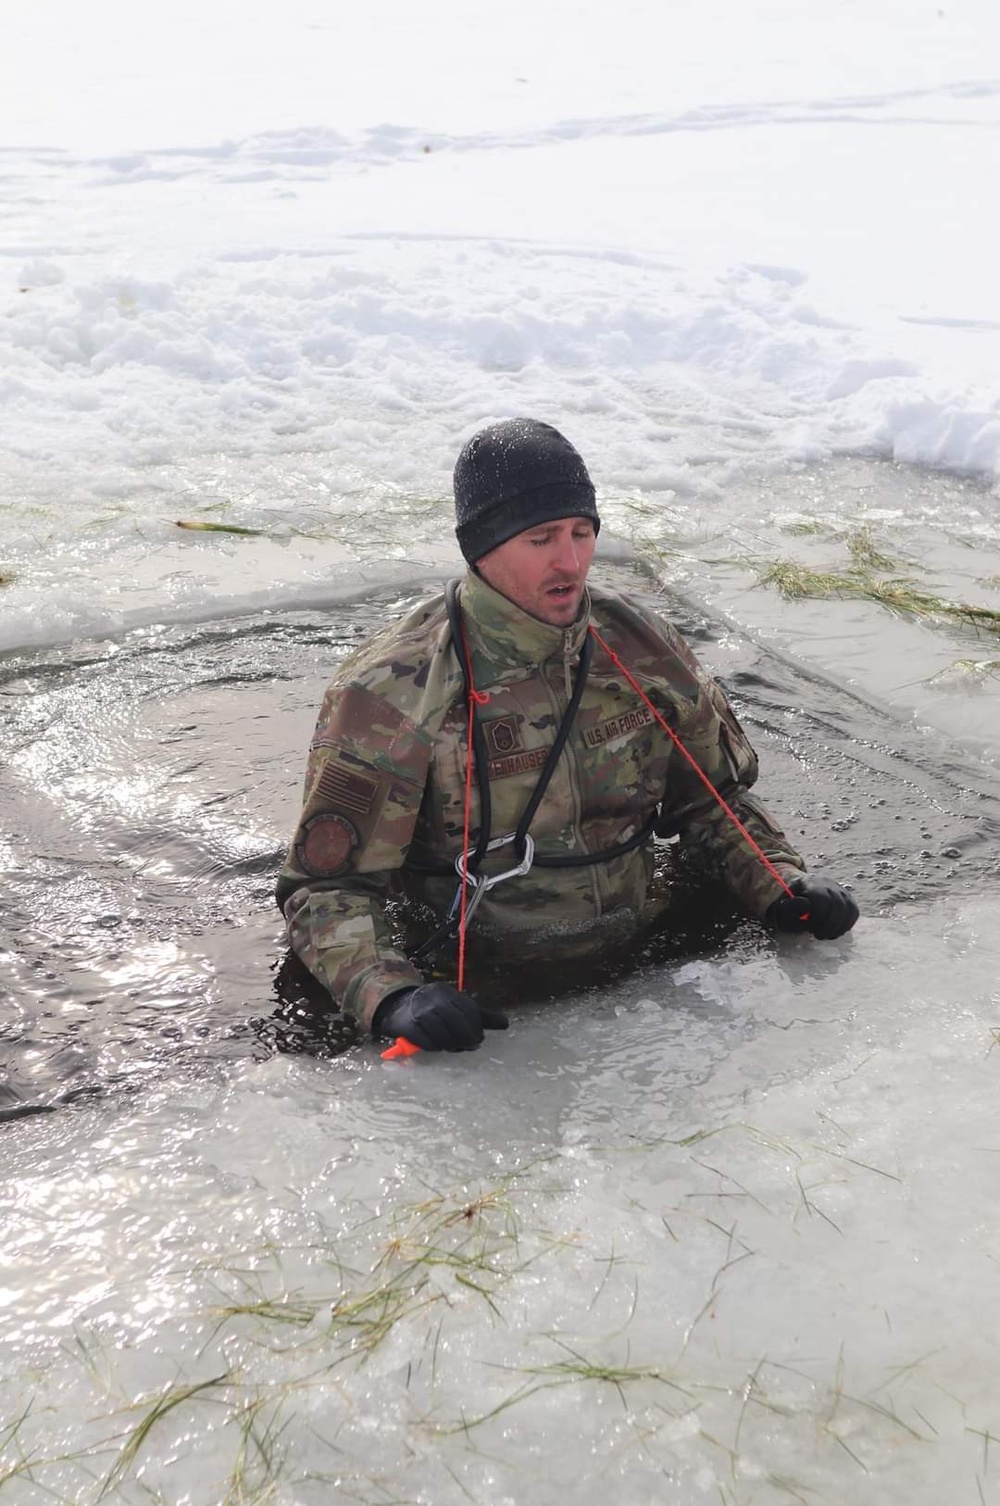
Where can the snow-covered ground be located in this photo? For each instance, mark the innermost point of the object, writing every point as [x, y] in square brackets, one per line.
[269, 267]
[274, 270]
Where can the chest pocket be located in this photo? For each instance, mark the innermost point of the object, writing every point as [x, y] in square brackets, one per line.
[624, 756]
[517, 741]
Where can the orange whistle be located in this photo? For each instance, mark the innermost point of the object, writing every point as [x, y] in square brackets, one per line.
[400, 1047]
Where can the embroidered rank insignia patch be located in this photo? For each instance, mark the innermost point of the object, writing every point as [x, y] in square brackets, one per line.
[503, 736]
[346, 788]
[326, 845]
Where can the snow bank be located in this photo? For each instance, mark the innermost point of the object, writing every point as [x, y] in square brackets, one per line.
[287, 270]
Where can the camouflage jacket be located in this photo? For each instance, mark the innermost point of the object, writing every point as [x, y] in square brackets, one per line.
[385, 787]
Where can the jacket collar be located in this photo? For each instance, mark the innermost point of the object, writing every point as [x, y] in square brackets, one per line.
[511, 638]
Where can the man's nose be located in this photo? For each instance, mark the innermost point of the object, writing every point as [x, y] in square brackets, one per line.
[567, 556]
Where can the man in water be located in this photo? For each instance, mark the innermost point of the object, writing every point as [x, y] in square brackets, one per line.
[593, 731]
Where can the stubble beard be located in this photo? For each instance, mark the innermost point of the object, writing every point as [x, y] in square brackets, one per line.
[560, 611]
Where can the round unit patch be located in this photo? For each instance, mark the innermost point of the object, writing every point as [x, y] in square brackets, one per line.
[326, 845]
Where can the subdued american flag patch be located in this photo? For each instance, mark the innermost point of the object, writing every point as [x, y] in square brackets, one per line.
[346, 789]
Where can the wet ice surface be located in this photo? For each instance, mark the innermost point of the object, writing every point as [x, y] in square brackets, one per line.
[934, 533]
[725, 1225]
[729, 1232]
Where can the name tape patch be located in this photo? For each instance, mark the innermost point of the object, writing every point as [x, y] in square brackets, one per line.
[629, 721]
[517, 763]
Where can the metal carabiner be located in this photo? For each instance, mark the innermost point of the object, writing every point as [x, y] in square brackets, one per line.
[482, 882]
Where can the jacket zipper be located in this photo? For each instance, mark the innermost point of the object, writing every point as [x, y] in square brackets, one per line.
[573, 775]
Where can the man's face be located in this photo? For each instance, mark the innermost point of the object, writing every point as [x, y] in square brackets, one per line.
[544, 569]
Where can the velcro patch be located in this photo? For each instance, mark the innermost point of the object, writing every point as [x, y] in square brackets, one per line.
[347, 789]
[502, 735]
[517, 763]
[618, 726]
[325, 847]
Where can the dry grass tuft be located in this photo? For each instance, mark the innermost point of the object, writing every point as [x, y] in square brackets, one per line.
[860, 582]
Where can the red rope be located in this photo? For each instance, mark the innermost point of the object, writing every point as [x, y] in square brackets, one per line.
[481, 698]
[734, 818]
[402, 1047]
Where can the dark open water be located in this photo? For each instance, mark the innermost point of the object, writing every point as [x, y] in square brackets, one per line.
[150, 785]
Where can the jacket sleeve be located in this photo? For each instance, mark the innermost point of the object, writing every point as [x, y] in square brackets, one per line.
[708, 728]
[364, 784]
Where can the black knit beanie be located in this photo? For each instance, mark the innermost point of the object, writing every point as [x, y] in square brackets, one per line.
[515, 475]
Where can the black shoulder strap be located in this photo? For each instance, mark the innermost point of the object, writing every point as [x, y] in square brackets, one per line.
[555, 752]
[480, 755]
[481, 759]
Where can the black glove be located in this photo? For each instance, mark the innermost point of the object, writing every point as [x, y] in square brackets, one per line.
[436, 1017]
[819, 906]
